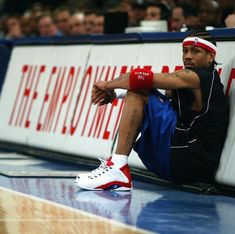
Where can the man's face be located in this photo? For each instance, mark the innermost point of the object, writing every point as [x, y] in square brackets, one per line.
[99, 24]
[209, 13]
[89, 23]
[76, 25]
[46, 27]
[62, 19]
[153, 13]
[177, 19]
[194, 56]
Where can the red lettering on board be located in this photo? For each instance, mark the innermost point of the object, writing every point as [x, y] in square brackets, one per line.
[28, 92]
[177, 68]
[100, 112]
[46, 98]
[34, 96]
[230, 79]
[67, 91]
[54, 100]
[64, 127]
[165, 69]
[97, 78]
[99, 124]
[148, 68]
[219, 71]
[24, 71]
[97, 121]
[24, 96]
[74, 123]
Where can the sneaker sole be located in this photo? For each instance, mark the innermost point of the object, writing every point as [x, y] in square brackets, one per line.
[110, 189]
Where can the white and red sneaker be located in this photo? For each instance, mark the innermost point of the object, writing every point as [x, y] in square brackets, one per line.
[106, 177]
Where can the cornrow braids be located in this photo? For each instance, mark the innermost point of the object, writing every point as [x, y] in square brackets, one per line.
[204, 35]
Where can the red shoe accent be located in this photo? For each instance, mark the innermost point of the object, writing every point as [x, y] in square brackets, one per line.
[109, 162]
[125, 169]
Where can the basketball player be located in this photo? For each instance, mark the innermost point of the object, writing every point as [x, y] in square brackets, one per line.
[182, 132]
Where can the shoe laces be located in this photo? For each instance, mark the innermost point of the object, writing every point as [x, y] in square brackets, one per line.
[105, 165]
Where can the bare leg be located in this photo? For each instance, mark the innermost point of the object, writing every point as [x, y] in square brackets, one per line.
[131, 120]
[115, 174]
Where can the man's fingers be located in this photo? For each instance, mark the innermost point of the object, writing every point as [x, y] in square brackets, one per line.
[103, 96]
[100, 96]
[103, 102]
[96, 93]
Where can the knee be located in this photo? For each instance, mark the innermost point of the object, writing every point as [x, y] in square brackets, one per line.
[132, 96]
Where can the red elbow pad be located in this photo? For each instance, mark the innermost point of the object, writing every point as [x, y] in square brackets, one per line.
[141, 78]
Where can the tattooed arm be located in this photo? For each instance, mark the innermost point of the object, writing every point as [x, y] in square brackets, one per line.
[103, 91]
[180, 79]
[184, 78]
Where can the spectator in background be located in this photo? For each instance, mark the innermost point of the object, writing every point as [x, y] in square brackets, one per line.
[227, 7]
[209, 14]
[135, 10]
[27, 26]
[11, 26]
[156, 11]
[191, 17]
[89, 21]
[184, 17]
[46, 26]
[177, 18]
[99, 24]
[30, 18]
[76, 26]
[230, 21]
[62, 16]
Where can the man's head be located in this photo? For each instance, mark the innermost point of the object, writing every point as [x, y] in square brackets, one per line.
[99, 24]
[199, 49]
[209, 13]
[76, 24]
[155, 11]
[184, 14]
[46, 26]
[177, 18]
[62, 20]
[89, 21]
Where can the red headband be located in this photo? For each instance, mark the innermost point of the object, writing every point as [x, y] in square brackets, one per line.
[196, 41]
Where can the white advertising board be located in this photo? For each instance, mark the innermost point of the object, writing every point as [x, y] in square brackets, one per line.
[45, 100]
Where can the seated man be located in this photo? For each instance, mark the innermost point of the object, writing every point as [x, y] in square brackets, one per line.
[182, 135]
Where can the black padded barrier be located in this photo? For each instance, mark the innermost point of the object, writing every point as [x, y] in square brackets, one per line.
[5, 52]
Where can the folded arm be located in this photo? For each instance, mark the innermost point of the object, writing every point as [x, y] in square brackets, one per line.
[103, 91]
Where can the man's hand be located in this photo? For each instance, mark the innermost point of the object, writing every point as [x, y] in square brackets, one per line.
[101, 95]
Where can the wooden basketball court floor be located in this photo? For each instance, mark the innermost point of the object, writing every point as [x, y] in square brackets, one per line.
[39, 196]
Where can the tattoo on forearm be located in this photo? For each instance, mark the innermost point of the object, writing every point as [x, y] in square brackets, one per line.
[167, 75]
[170, 75]
[176, 74]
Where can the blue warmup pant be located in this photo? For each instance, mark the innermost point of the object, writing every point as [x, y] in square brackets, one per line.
[153, 146]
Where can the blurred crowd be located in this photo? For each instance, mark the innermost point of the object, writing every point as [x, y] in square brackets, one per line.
[88, 17]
